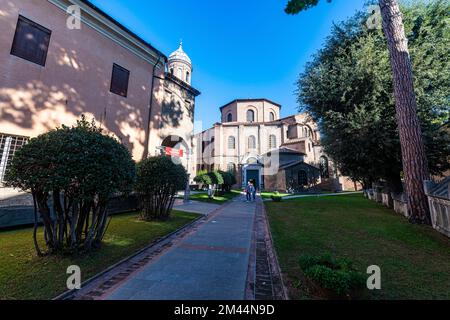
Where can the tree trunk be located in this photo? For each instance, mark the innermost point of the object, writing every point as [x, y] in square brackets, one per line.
[414, 160]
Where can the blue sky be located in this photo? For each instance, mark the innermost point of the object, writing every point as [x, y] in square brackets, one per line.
[239, 48]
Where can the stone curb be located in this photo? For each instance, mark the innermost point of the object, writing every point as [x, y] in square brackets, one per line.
[280, 291]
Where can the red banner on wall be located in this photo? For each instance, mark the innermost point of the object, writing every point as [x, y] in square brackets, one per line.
[173, 152]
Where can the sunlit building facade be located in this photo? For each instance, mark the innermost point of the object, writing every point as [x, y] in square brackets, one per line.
[51, 73]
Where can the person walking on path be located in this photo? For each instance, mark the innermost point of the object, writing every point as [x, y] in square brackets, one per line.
[248, 192]
[253, 192]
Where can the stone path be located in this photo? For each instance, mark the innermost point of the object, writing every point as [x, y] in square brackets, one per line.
[209, 264]
[195, 206]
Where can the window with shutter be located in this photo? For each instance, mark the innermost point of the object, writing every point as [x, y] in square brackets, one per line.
[231, 142]
[119, 80]
[251, 142]
[31, 41]
[272, 141]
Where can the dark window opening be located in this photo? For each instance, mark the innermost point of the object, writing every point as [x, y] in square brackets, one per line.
[250, 116]
[292, 132]
[271, 116]
[324, 168]
[119, 80]
[31, 41]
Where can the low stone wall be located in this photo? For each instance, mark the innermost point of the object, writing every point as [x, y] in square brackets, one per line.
[369, 194]
[16, 216]
[377, 196]
[439, 203]
[400, 204]
[440, 214]
[438, 198]
[386, 199]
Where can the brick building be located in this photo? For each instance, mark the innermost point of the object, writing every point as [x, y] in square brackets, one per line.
[277, 153]
[51, 73]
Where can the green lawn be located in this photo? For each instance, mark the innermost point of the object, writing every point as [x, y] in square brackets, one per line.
[203, 196]
[414, 260]
[23, 275]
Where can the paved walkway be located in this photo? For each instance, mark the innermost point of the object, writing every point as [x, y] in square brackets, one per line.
[208, 264]
[195, 206]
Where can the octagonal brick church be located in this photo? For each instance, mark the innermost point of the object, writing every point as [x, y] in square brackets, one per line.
[277, 154]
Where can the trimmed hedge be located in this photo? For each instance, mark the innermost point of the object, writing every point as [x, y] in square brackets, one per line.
[336, 275]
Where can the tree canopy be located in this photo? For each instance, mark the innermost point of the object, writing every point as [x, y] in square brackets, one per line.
[295, 6]
[72, 172]
[348, 90]
[158, 180]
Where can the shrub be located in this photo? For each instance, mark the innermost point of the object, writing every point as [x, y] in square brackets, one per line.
[216, 178]
[228, 180]
[276, 198]
[79, 168]
[203, 178]
[158, 180]
[336, 275]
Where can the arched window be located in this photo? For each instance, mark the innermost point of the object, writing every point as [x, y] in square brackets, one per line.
[231, 142]
[250, 116]
[271, 116]
[272, 141]
[187, 76]
[231, 168]
[324, 171]
[230, 117]
[302, 178]
[171, 71]
[252, 142]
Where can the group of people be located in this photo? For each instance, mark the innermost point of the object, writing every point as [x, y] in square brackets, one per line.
[250, 191]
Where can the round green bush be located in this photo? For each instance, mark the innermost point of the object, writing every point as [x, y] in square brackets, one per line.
[158, 180]
[228, 180]
[72, 172]
[203, 178]
[336, 275]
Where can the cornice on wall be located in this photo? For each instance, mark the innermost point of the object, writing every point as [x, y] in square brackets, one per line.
[115, 32]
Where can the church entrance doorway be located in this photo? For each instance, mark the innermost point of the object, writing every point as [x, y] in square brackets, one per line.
[253, 176]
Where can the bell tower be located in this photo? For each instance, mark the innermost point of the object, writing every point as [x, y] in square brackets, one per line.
[180, 65]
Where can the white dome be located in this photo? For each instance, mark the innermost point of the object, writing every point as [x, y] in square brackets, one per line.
[180, 55]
